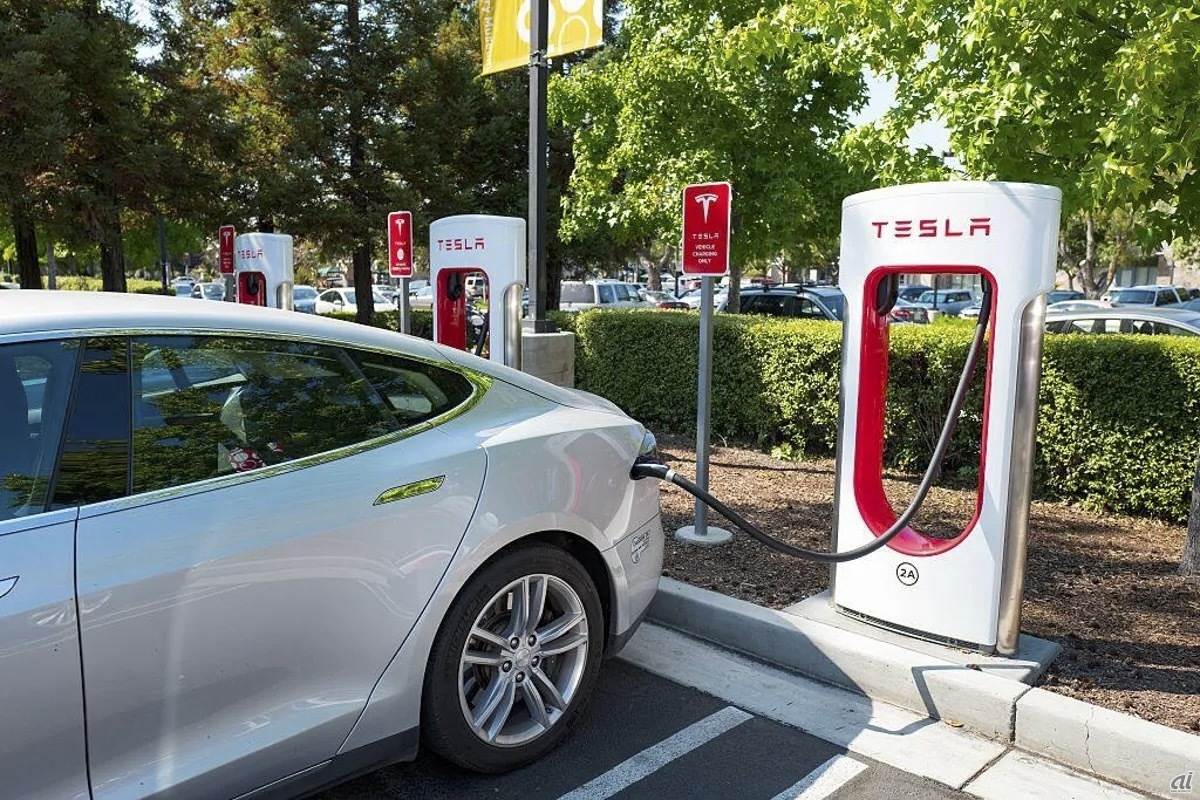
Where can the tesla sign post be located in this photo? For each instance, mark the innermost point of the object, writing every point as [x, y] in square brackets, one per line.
[707, 212]
[225, 236]
[400, 259]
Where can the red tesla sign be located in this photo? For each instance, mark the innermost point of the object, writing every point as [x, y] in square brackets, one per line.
[400, 262]
[706, 222]
[225, 240]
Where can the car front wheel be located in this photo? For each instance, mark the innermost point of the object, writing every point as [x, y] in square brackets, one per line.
[514, 662]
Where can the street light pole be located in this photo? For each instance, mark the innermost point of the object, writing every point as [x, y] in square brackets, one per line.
[538, 78]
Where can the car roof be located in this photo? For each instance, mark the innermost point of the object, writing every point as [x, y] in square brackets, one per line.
[64, 312]
[1183, 315]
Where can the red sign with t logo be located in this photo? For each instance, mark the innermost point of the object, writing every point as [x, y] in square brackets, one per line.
[707, 209]
[225, 253]
[400, 263]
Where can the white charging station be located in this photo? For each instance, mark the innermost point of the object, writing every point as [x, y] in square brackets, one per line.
[495, 246]
[263, 269]
[967, 589]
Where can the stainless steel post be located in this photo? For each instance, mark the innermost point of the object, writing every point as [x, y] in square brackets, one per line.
[1016, 534]
[700, 533]
[405, 316]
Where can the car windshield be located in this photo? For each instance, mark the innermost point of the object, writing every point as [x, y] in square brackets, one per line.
[214, 291]
[1134, 296]
[304, 293]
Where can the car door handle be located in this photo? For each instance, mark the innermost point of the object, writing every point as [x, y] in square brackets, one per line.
[7, 584]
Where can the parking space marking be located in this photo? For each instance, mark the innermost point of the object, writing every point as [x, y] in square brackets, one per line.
[824, 780]
[657, 756]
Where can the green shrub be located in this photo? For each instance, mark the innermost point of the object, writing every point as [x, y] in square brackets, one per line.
[1117, 427]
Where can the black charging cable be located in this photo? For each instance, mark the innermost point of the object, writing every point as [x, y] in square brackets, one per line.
[646, 468]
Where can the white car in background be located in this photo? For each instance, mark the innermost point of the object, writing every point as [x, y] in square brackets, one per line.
[334, 300]
[280, 549]
[582, 295]
[421, 298]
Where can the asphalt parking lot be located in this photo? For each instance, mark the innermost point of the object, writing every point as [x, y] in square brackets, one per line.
[646, 737]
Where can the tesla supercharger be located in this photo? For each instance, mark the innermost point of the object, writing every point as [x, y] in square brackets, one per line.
[966, 589]
[263, 270]
[495, 246]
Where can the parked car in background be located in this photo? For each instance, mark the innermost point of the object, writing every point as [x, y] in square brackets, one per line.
[582, 295]
[802, 302]
[665, 300]
[9, 285]
[692, 298]
[1077, 305]
[913, 292]
[275, 550]
[334, 300]
[386, 292]
[1192, 305]
[1063, 295]
[1143, 296]
[209, 291]
[950, 302]
[1128, 319]
[421, 298]
[304, 299]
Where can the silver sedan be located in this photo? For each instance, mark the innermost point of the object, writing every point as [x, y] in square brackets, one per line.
[247, 551]
[1126, 319]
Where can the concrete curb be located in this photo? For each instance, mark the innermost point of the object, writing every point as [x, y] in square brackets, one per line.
[1106, 743]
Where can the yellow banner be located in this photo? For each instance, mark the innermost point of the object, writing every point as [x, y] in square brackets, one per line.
[504, 26]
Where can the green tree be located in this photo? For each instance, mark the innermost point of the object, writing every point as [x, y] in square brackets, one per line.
[1098, 97]
[672, 103]
[33, 123]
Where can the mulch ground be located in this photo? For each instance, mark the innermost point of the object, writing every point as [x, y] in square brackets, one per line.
[1104, 587]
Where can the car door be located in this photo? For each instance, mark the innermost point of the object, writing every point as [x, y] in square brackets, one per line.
[42, 749]
[265, 561]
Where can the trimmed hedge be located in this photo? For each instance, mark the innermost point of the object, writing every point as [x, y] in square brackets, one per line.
[1117, 427]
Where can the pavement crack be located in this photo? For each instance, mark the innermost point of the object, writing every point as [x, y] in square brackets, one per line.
[1087, 739]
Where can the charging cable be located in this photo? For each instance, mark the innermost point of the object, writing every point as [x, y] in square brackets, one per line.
[646, 468]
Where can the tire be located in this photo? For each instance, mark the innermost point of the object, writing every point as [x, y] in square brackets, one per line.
[480, 705]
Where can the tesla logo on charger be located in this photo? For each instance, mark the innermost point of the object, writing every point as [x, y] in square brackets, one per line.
[933, 228]
[478, 243]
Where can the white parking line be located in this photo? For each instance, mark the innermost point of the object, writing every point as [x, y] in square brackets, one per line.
[655, 757]
[824, 780]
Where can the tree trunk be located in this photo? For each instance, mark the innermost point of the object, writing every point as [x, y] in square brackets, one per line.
[112, 254]
[363, 291]
[1189, 565]
[733, 303]
[266, 223]
[27, 250]
[356, 148]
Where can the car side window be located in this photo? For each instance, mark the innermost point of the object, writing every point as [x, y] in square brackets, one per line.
[607, 293]
[1165, 329]
[35, 385]
[413, 391]
[211, 406]
[95, 455]
[807, 309]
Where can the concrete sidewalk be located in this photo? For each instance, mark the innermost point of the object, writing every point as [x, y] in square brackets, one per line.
[990, 697]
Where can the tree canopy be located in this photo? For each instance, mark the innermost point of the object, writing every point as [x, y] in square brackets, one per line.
[1098, 97]
[671, 103]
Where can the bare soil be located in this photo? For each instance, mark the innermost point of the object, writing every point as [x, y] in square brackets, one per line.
[1104, 587]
